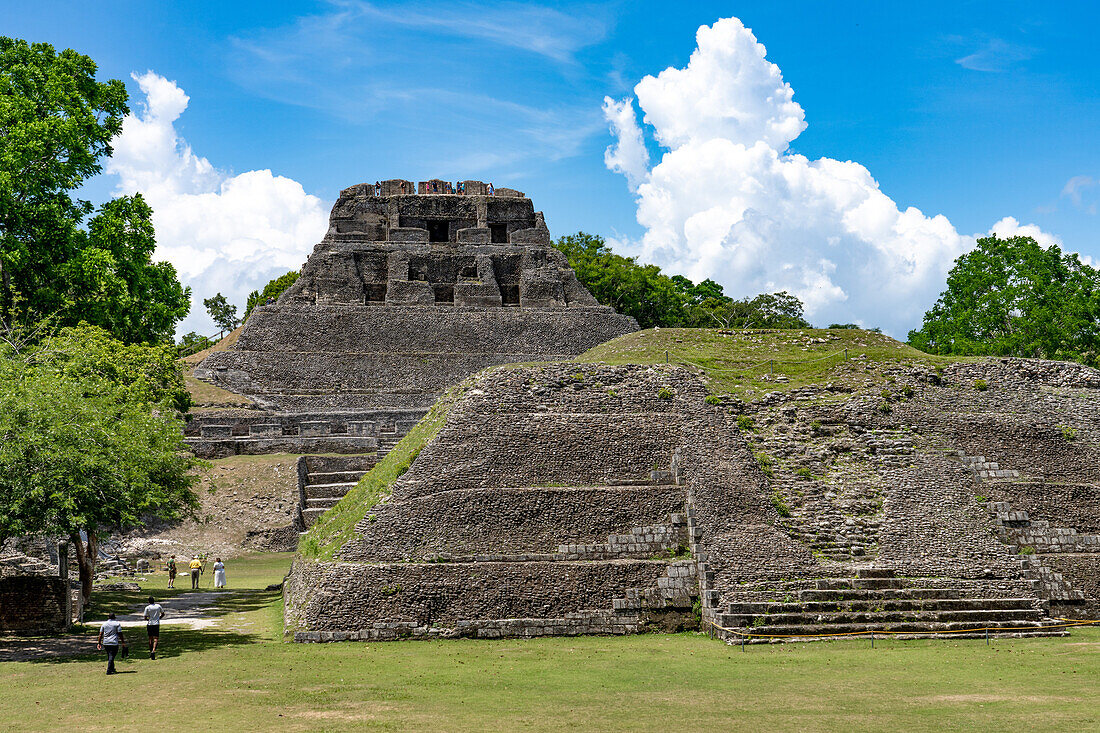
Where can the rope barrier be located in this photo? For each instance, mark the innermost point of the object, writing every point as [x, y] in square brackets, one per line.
[1071, 623]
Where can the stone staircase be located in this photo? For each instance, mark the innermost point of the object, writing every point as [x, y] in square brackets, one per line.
[16, 563]
[1018, 531]
[876, 600]
[324, 480]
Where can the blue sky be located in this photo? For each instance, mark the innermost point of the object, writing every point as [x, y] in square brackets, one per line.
[972, 110]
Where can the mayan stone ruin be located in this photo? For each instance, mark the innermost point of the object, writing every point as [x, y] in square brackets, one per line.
[585, 498]
[409, 292]
[560, 497]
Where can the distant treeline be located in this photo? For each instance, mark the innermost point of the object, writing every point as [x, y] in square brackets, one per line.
[656, 299]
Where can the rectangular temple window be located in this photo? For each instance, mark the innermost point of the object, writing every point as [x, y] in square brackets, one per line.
[498, 233]
[438, 231]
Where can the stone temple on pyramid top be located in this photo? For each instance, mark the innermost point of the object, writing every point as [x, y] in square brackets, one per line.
[410, 291]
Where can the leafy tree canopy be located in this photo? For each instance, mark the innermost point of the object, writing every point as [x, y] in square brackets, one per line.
[222, 312]
[1012, 297]
[655, 299]
[56, 123]
[273, 290]
[88, 441]
[148, 375]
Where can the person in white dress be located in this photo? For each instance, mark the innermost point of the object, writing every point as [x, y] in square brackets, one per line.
[219, 573]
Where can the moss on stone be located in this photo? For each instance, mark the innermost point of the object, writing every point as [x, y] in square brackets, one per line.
[334, 528]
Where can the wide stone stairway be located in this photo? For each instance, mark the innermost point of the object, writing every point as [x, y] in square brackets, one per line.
[876, 600]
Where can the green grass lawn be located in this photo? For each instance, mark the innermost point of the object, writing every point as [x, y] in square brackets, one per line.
[238, 676]
[738, 361]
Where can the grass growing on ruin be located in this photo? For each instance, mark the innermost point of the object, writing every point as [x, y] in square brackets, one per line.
[744, 362]
[234, 678]
[334, 528]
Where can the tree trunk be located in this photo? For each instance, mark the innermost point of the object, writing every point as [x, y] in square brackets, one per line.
[85, 561]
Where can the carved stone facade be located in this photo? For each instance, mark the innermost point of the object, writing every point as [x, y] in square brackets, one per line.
[407, 294]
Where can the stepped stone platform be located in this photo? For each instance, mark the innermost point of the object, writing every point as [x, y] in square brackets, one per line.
[876, 600]
[580, 498]
[485, 537]
[408, 294]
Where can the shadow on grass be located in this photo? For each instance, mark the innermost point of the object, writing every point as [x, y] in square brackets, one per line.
[174, 642]
[127, 602]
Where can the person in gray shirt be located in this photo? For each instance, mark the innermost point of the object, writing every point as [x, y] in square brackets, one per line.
[110, 636]
[154, 612]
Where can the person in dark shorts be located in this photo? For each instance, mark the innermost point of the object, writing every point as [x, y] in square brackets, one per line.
[154, 612]
[110, 637]
[171, 565]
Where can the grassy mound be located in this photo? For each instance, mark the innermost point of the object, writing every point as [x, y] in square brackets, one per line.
[335, 527]
[744, 362]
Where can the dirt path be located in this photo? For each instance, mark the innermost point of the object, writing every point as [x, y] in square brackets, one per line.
[187, 609]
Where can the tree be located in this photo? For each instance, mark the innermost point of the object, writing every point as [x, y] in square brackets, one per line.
[641, 291]
[148, 375]
[56, 123]
[87, 446]
[273, 290]
[223, 314]
[114, 282]
[1011, 297]
[768, 310]
[655, 299]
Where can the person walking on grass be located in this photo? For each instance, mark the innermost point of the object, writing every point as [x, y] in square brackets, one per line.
[171, 565]
[110, 637]
[219, 573]
[153, 614]
[196, 571]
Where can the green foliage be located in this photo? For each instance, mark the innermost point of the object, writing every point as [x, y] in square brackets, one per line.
[981, 385]
[1068, 432]
[655, 299]
[1011, 297]
[768, 310]
[222, 312]
[665, 393]
[803, 472]
[146, 375]
[765, 462]
[81, 452]
[745, 422]
[641, 291]
[272, 290]
[56, 123]
[712, 399]
[843, 325]
[1027, 550]
[390, 590]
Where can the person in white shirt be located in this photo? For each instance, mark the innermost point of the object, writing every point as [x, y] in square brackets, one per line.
[219, 573]
[154, 612]
[110, 636]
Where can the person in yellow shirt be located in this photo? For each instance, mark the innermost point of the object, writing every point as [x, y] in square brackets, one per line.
[196, 571]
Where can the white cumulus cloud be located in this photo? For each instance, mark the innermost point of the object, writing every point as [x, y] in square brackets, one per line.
[224, 233]
[628, 155]
[729, 201]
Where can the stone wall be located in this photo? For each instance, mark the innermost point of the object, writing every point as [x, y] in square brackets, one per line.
[507, 521]
[34, 604]
[351, 596]
[547, 497]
